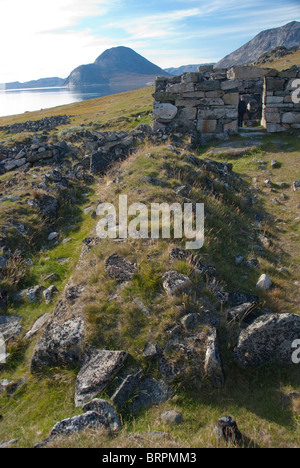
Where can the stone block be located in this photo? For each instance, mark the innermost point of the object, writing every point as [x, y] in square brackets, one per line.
[165, 111]
[231, 127]
[231, 99]
[274, 128]
[187, 113]
[274, 100]
[179, 88]
[191, 77]
[291, 118]
[207, 126]
[275, 84]
[187, 102]
[213, 113]
[212, 102]
[248, 72]
[193, 95]
[209, 85]
[229, 85]
[272, 117]
[217, 93]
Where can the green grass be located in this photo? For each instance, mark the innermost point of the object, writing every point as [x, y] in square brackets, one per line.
[255, 398]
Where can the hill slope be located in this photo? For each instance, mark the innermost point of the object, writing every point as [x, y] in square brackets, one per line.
[119, 66]
[287, 36]
[128, 316]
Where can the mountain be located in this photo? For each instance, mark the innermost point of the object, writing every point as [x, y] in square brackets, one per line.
[287, 36]
[41, 83]
[185, 69]
[119, 67]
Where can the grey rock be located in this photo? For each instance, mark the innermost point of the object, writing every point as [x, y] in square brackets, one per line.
[52, 277]
[37, 326]
[119, 268]
[265, 241]
[239, 259]
[4, 384]
[274, 164]
[171, 417]
[110, 418]
[34, 294]
[152, 181]
[226, 429]
[268, 338]
[151, 392]
[242, 313]
[52, 236]
[213, 367]
[89, 420]
[174, 282]
[49, 293]
[14, 387]
[239, 297]
[296, 185]
[252, 263]
[183, 190]
[98, 368]
[126, 389]
[10, 326]
[60, 345]
[264, 283]
[8, 444]
[49, 206]
[165, 111]
[151, 350]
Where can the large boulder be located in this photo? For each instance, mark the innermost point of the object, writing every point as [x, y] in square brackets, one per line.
[98, 368]
[269, 338]
[59, 346]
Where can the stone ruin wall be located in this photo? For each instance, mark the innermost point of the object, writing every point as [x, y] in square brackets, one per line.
[207, 101]
[280, 113]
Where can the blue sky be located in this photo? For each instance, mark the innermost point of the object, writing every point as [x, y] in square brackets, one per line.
[41, 38]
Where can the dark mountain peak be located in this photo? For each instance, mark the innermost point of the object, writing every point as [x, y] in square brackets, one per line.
[287, 36]
[120, 65]
[125, 60]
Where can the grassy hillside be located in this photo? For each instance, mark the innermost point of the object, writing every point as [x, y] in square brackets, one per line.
[259, 399]
[285, 62]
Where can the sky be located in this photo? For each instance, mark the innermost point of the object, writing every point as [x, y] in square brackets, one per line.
[42, 38]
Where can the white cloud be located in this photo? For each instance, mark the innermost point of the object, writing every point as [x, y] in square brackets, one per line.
[39, 39]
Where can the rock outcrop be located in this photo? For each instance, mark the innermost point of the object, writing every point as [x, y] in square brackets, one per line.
[97, 370]
[268, 339]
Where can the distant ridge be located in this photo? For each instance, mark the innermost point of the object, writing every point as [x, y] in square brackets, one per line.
[286, 36]
[41, 83]
[185, 69]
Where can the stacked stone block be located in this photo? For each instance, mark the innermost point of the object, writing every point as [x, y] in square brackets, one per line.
[206, 101]
[281, 112]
